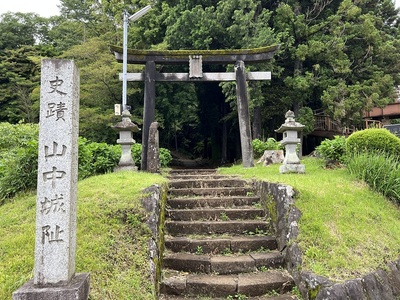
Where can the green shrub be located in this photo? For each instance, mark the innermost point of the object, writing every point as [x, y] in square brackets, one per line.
[96, 158]
[379, 170]
[137, 154]
[104, 157]
[165, 155]
[15, 136]
[18, 158]
[259, 146]
[373, 140]
[333, 151]
[84, 158]
[18, 170]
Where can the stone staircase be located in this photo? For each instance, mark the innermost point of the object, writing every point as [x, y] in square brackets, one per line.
[217, 241]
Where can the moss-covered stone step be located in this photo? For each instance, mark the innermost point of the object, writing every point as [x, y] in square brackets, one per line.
[193, 202]
[224, 244]
[222, 214]
[266, 297]
[216, 192]
[206, 183]
[251, 227]
[256, 284]
[198, 176]
[223, 264]
[217, 243]
[178, 172]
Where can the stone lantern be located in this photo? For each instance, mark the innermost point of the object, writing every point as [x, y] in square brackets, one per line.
[290, 130]
[125, 128]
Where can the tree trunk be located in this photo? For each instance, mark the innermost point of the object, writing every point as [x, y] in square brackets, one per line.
[257, 123]
[298, 69]
[224, 148]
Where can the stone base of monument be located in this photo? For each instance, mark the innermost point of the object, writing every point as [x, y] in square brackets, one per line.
[125, 168]
[292, 168]
[77, 289]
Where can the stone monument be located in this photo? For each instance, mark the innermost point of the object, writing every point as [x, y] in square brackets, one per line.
[153, 152]
[125, 129]
[55, 245]
[290, 129]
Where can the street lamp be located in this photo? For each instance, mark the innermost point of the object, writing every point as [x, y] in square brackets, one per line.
[126, 127]
[128, 18]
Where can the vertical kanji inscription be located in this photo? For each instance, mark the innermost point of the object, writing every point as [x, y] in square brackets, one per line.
[57, 173]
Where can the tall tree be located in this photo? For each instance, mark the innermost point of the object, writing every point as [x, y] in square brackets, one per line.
[299, 26]
[363, 60]
[23, 42]
[340, 55]
[100, 88]
[20, 29]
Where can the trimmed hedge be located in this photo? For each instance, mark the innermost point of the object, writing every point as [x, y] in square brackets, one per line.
[373, 140]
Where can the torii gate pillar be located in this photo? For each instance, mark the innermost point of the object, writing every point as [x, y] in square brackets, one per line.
[149, 107]
[244, 116]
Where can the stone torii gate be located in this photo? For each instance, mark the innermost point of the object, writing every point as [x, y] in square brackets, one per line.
[196, 59]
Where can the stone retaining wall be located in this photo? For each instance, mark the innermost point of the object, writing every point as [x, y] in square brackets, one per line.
[284, 216]
[154, 203]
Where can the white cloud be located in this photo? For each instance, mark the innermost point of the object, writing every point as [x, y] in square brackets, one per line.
[45, 8]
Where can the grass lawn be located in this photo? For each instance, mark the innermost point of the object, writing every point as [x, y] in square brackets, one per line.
[346, 230]
[112, 238]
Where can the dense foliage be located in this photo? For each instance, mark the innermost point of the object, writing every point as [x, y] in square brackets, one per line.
[337, 55]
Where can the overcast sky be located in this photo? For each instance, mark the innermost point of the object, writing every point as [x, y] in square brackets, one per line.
[45, 8]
